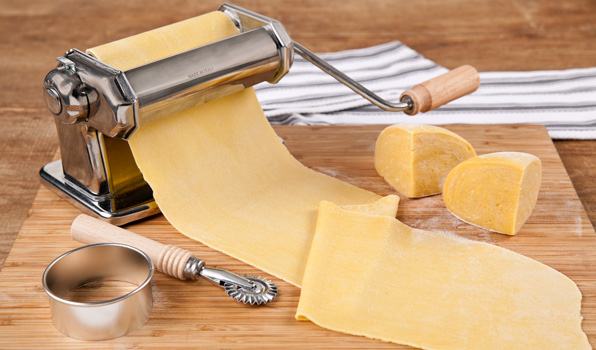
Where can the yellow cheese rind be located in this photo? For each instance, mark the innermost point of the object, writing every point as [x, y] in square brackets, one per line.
[218, 172]
[496, 191]
[415, 159]
[385, 280]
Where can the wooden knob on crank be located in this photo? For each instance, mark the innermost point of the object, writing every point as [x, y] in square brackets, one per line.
[442, 89]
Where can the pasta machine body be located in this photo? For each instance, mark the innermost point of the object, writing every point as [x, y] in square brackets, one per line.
[97, 107]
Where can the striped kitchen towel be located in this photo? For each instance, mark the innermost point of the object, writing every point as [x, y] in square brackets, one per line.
[563, 100]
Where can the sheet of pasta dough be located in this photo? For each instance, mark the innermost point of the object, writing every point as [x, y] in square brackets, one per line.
[385, 280]
[218, 172]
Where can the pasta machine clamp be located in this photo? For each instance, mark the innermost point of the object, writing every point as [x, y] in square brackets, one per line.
[97, 107]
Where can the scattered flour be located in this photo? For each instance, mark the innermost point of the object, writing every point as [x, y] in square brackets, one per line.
[452, 226]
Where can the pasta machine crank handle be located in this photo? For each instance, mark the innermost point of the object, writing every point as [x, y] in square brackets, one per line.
[423, 97]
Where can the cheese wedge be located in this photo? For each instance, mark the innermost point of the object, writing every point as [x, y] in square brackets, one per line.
[415, 159]
[496, 191]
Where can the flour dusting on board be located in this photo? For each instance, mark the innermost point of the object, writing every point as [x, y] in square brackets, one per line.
[564, 215]
[327, 171]
[452, 226]
[333, 173]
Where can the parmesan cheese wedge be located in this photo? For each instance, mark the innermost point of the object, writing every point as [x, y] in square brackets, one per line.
[415, 159]
[496, 191]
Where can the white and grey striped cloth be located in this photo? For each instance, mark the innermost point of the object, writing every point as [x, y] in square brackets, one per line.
[564, 100]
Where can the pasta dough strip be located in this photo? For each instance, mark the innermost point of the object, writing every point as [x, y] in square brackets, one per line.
[218, 172]
[221, 176]
[385, 280]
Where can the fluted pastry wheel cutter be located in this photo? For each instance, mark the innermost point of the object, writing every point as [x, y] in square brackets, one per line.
[176, 262]
[98, 107]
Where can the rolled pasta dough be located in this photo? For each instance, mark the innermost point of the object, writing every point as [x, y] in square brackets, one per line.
[218, 172]
[385, 280]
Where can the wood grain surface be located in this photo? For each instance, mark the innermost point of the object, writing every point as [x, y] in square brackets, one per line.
[490, 35]
[200, 315]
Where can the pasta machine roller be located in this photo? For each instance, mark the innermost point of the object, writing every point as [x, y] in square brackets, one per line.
[97, 107]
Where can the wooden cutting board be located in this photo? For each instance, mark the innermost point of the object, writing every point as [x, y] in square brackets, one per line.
[200, 315]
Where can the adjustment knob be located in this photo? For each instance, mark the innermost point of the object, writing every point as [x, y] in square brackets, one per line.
[53, 102]
[64, 93]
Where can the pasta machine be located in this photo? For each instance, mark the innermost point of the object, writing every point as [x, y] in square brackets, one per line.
[97, 107]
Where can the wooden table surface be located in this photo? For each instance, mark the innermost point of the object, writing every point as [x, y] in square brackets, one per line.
[190, 314]
[490, 35]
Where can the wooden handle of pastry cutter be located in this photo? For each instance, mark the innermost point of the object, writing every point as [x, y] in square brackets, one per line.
[443, 89]
[166, 258]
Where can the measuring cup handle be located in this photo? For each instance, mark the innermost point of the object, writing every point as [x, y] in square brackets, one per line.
[167, 259]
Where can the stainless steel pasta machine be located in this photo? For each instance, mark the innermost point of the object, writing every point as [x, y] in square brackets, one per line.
[97, 107]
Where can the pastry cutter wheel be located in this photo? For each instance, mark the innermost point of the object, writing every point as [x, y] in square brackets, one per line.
[176, 262]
